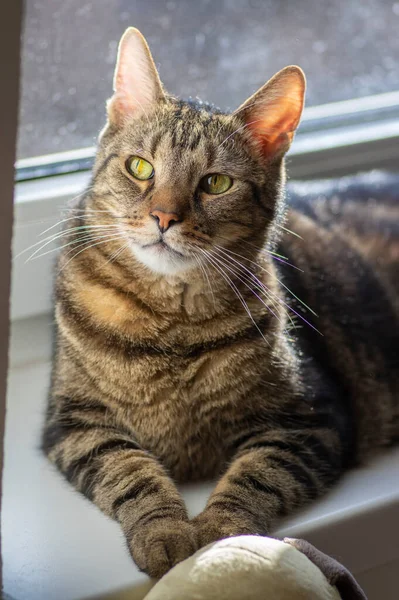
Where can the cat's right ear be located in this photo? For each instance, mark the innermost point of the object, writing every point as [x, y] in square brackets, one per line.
[137, 87]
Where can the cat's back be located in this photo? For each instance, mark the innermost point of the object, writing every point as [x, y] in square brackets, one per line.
[348, 251]
[362, 211]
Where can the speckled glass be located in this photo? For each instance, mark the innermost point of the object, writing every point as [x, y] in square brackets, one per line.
[219, 50]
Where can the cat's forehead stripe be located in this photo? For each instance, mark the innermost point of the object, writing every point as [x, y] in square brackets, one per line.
[156, 138]
[188, 128]
[184, 129]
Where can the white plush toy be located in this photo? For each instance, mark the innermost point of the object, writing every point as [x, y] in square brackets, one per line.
[257, 568]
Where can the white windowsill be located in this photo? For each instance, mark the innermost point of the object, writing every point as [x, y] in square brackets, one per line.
[58, 546]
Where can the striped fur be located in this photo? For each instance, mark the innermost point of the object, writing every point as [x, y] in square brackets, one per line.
[160, 378]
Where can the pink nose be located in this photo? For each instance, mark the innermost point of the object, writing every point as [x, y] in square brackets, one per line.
[164, 219]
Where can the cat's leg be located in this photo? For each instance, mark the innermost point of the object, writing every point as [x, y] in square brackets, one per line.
[270, 475]
[125, 481]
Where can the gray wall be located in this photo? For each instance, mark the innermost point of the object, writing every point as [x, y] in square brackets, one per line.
[9, 76]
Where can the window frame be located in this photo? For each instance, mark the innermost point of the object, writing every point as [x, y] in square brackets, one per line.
[323, 127]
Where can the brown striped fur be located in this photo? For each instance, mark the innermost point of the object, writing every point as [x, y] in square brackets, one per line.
[162, 377]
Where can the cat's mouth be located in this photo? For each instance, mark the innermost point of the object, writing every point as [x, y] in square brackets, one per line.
[161, 246]
[161, 257]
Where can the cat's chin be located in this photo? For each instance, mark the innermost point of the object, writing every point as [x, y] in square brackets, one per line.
[162, 259]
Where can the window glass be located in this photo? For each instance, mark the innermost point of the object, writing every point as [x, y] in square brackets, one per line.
[219, 50]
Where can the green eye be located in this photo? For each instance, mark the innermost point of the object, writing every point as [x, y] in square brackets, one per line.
[139, 168]
[216, 183]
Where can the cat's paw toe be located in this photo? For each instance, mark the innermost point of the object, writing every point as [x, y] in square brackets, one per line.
[212, 526]
[162, 544]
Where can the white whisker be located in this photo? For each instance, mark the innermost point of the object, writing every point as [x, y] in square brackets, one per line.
[79, 240]
[71, 219]
[245, 281]
[268, 272]
[275, 255]
[237, 130]
[272, 298]
[87, 248]
[204, 273]
[115, 255]
[56, 236]
[238, 110]
[236, 291]
[289, 231]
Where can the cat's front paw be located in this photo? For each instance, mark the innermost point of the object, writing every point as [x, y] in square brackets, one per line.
[212, 525]
[160, 545]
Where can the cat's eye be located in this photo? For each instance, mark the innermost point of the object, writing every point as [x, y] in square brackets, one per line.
[139, 168]
[216, 183]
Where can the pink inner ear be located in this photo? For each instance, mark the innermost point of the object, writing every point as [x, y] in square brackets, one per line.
[274, 126]
[136, 82]
[119, 107]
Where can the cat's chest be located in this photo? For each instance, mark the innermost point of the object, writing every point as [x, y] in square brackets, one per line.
[179, 418]
[186, 439]
[182, 409]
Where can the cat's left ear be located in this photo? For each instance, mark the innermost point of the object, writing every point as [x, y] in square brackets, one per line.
[137, 87]
[273, 113]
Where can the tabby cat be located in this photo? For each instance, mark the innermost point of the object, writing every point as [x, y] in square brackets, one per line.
[181, 353]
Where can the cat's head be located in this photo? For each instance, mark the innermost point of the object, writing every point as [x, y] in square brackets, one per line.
[182, 179]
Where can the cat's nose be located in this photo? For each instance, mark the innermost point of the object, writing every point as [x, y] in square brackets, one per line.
[164, 219]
